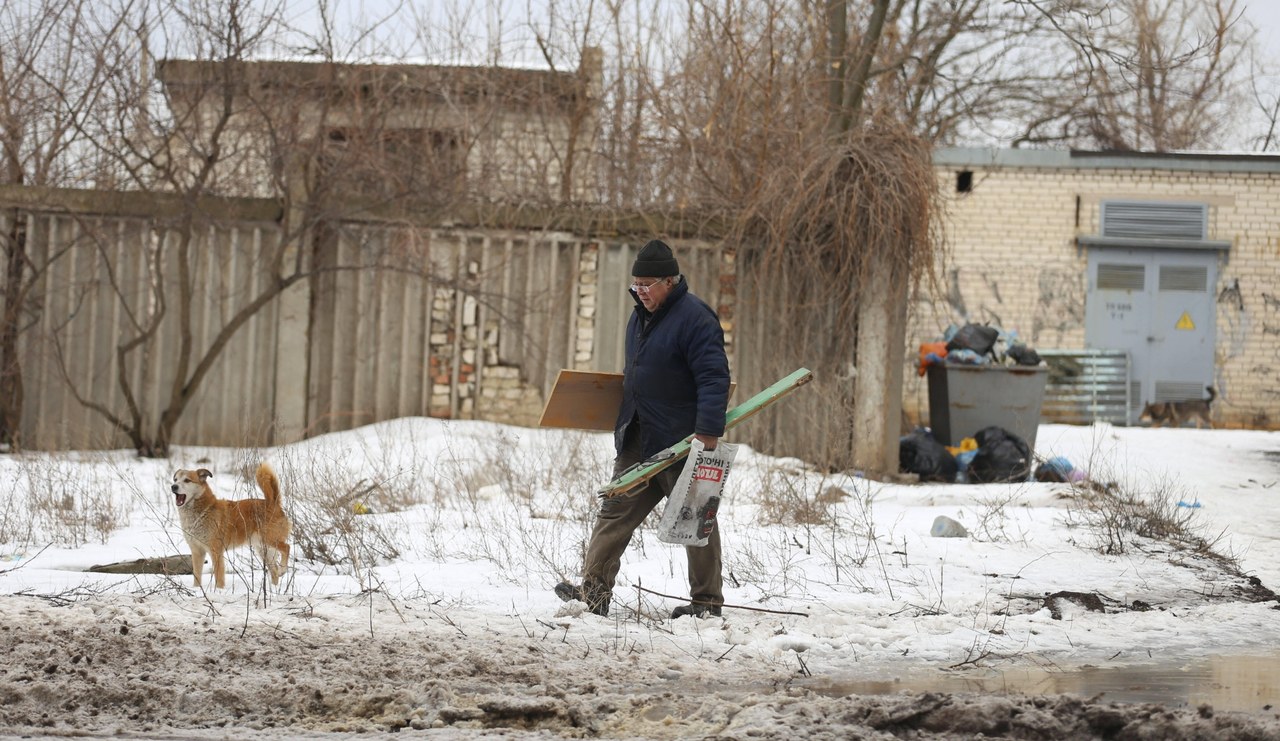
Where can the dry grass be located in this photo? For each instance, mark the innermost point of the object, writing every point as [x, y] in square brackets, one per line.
[788, 497]
[58, 499]
[1115, 516]
[486, 495]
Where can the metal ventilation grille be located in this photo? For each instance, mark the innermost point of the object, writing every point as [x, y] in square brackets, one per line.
[1184, 278]
[1179, 391]
[1155, 220]
[1121, 277]
[1087, 386]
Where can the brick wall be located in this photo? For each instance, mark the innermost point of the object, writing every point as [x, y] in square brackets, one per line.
[1013, 261]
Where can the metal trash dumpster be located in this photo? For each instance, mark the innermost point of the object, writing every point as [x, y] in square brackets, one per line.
[965, 398]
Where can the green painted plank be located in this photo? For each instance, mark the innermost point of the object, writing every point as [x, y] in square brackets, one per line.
[651, 466]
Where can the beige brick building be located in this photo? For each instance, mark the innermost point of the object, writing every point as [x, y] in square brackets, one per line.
[1174, 258]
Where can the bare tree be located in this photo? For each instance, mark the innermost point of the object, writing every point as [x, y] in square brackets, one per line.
[1268, 104]
[190, 111]
[770, 124]
[181, 158]
[1263, 132]
[776, 126]
[48, 85]
[1155, 75]
[957, 70]
[799, 131]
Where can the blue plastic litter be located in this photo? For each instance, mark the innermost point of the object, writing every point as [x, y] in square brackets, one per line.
[1060, 465]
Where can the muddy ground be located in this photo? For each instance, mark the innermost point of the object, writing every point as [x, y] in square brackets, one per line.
[117, 667]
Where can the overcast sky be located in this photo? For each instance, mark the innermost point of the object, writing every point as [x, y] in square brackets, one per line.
[498, 32]
[505, 14]
[1266, 14]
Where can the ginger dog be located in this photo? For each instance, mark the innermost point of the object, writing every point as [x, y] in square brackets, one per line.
[213, 526]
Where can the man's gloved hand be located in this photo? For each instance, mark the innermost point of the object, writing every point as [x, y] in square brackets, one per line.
[708, 441]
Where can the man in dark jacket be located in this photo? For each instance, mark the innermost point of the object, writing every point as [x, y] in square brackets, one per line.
[676, 383]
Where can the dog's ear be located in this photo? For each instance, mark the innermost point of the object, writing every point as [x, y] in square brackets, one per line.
[204, 474]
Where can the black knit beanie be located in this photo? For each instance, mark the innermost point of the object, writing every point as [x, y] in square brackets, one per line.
[655, 261]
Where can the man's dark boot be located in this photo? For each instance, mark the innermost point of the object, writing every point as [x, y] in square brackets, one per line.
[698, 611]
[597, 601]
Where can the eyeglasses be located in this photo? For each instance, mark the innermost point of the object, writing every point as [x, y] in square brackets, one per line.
[645, 288]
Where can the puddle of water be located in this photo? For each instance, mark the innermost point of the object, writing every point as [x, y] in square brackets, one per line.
[1240, 683]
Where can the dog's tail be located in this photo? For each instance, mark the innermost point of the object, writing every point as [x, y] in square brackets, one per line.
[269, 484]
[1212, 394]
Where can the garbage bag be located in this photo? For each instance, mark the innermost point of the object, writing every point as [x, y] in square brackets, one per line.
[920, 453]
[1002, 456]
[976, 337]
[931, 353]
[1023, 355]
[966, 356]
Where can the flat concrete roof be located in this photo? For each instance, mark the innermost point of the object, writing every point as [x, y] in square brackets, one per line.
[1077, 159]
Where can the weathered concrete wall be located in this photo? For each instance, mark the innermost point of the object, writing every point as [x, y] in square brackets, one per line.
[507, 134]
[482, 328]
[462, 323]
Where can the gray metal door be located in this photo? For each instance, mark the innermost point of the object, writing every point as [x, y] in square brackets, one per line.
[1158, 305]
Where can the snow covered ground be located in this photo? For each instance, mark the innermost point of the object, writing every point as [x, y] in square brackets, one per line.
[419, 596]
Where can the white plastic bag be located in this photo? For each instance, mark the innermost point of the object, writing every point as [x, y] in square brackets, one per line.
[690, 514]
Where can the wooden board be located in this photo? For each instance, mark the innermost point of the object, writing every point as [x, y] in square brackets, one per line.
[583, 400]
[587, 400]
[651, 466]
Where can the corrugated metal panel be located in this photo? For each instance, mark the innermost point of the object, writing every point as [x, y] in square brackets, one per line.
[1086, 386]
[109, 288]
[413, 341]
[1154, 219]
[394, 320]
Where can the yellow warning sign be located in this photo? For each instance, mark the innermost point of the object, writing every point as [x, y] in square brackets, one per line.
[1184, 322]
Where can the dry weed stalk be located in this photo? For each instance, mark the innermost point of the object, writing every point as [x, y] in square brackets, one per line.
[53, 500]
[1116, 515]
[835, 228]
[827, 207]
[328, 525]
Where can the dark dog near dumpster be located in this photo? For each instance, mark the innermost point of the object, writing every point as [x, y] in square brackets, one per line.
[1174, 413]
